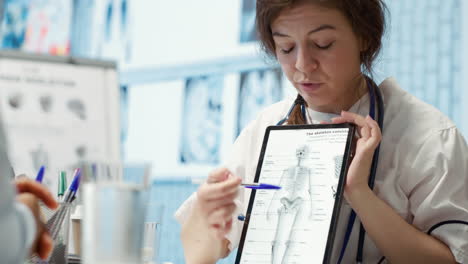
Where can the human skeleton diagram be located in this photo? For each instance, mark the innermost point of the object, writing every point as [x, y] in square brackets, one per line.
[295, 199]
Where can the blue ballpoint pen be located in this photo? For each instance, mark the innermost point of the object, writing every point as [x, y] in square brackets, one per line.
[261, 186]
[71, 192]
[54, 224]
[40, 174]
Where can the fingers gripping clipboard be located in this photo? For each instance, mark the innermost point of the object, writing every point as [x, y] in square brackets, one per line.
[297, 223]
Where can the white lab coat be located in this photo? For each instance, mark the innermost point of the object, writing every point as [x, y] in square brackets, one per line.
[422, 172]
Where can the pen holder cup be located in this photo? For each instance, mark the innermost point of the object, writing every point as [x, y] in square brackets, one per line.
[114, 199]
[57, 222]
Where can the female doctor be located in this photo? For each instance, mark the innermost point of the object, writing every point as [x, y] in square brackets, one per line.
[418, 208]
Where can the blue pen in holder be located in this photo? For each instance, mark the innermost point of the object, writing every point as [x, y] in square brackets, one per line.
[57, 223]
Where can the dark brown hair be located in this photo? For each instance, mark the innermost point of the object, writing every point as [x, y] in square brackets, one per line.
[367, 19]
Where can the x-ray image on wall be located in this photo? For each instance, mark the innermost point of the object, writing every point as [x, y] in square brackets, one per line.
[41, 26]
[102, 29]
[123, 113]
[247, 28]
[115, 42]
[202, 120]
[258, 89]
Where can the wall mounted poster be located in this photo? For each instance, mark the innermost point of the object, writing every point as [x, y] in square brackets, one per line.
[56, 114]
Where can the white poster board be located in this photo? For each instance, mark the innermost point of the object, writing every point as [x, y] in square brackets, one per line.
[57, 111]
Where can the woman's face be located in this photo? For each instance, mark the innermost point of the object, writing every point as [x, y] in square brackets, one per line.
[320, 55]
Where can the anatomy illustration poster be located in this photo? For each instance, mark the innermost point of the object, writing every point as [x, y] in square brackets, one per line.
[291, 225]
[56, 114]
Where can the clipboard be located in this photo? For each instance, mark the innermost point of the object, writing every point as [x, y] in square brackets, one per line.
[297, 224]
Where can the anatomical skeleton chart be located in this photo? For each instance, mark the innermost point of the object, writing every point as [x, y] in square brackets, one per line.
[292, 224]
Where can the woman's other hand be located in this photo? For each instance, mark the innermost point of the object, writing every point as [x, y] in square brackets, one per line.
[369, 138]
